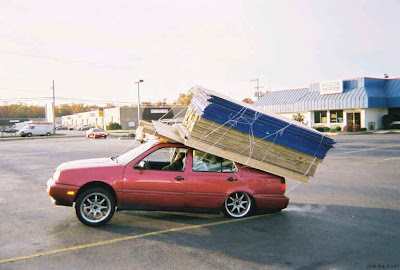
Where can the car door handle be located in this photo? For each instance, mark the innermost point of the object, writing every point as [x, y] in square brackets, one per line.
[231, 179]
[179, 178]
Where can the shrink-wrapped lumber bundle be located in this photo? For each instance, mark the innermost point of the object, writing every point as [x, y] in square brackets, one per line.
[240, 132]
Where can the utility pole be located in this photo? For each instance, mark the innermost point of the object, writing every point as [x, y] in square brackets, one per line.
[258, 93]
[54, 111]
[138, 105]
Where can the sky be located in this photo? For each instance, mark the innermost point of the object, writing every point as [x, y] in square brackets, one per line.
[95, 51]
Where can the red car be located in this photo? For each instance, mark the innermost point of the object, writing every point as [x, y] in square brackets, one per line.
[164, 176]
[96, 133]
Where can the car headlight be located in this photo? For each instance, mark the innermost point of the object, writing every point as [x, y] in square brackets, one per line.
[56, 174]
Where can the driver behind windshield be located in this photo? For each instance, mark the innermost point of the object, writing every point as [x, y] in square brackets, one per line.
[177, 164]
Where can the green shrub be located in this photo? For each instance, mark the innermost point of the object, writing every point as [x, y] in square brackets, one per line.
[320, 129]
[298, 117]
[336, 129]
[114, 126]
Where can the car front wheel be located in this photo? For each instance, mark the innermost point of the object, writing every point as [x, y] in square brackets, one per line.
[237, 205]
[95, 207]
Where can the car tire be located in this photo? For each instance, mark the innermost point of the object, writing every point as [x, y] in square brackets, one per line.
[29, 135]
[237, 205]
[48, 134]
[94, 207]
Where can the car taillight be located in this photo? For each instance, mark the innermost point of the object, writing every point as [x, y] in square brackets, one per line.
[283, 184]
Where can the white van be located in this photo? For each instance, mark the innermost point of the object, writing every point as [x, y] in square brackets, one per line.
[36, 128]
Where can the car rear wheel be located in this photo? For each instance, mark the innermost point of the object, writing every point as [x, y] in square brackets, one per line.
[237, 205]
[29, 134]
[95, 207]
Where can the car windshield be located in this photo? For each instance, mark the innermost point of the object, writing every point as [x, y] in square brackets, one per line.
[134, 153]
[97, 130]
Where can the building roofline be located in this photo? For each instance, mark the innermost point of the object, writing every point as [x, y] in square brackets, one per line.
[295, 89]
[363, 77]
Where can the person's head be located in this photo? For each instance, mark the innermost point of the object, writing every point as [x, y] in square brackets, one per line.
[179, 156]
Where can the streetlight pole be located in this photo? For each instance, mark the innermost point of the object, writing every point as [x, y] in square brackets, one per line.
[54, 111]
[138, 98]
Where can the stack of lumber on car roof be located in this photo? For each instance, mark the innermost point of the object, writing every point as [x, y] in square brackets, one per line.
[234, 130]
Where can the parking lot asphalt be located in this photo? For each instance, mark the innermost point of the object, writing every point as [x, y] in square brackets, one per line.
[347, 217]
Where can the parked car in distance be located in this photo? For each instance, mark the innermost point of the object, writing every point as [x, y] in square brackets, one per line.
[85, 127]
[9, 130]
[96, 133]
[164, 176]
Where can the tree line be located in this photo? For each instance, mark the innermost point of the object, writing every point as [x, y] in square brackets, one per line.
[34, 111]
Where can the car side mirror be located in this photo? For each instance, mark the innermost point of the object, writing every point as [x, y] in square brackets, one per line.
[139, 165]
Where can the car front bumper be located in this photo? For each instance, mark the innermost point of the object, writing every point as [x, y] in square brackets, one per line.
[61, 194]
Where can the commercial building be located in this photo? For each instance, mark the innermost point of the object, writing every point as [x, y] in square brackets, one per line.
[125, 116]
[361, 101]
[94, 118]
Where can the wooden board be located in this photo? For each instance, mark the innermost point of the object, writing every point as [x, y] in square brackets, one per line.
[167, 131]
[163, 134]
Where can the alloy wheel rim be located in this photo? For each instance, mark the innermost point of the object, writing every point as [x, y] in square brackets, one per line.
[238, 204]
[95, 207]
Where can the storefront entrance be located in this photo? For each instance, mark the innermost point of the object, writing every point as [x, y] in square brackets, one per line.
[353, 118]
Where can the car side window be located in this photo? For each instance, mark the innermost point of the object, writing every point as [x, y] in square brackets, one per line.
[205, 162]
[164, 159]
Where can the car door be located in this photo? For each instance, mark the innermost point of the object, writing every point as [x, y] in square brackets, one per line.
[209, 180]
[146, 184]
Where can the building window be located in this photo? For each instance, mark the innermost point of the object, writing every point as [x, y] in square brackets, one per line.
[320, 117]
[336, 116]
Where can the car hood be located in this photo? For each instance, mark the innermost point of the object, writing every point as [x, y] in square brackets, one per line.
[88, 163]
[80, 172]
